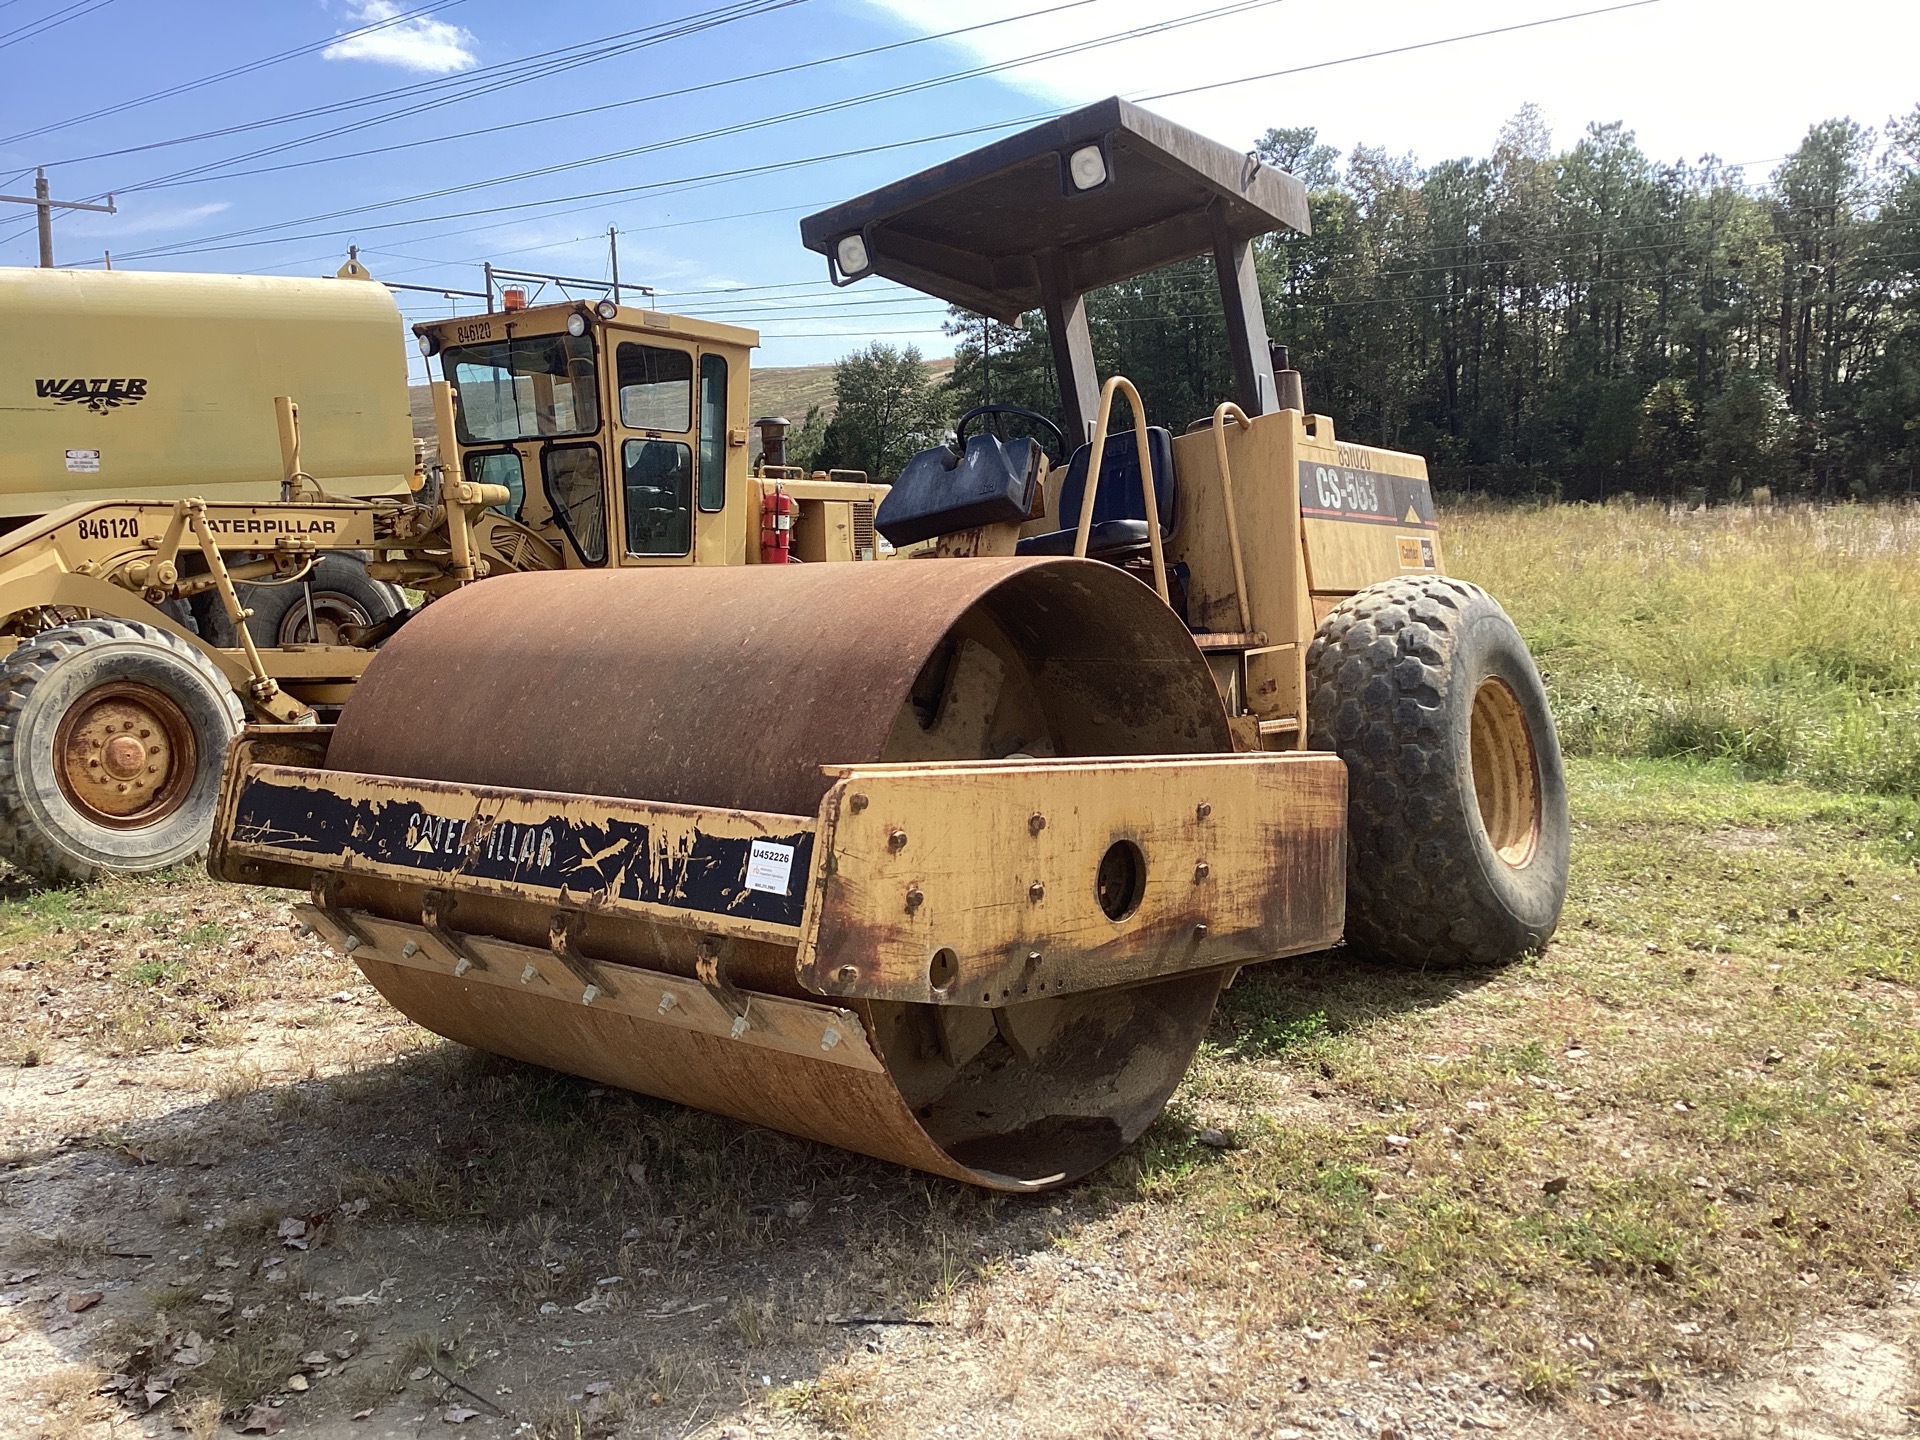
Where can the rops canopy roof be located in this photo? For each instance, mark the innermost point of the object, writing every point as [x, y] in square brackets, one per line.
[992, 229]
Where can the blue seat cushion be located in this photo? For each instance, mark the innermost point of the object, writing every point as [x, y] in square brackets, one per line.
[1120, 504]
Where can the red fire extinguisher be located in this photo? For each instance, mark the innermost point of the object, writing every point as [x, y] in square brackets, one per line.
[776, 527]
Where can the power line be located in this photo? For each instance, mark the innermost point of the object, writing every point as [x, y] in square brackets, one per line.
[806, 308]
[238, 70]
[43, 19]
[1404, 49]
[560, 115]
[814, 313]
[581, 239]
[36, 28]
[530, 249]
[654, 34]
[529, 70]
[194, 247]
[743, 127]
[846, 334]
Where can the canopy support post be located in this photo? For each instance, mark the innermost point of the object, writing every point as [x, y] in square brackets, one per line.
[1246, 320]
[1072, 346]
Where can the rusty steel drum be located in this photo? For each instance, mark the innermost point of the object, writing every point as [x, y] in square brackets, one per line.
[732, 688]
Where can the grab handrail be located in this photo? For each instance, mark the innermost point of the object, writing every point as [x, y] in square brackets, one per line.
[1233, 516]
[1116, 383]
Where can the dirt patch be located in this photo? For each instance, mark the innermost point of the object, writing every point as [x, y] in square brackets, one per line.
[335, 1224]
[1840, 1380]
[1740, 838]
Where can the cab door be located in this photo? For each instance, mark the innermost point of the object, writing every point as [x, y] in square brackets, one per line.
[527, 415]
[655, 439]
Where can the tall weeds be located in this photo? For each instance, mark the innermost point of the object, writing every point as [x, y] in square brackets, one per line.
[1784, 640]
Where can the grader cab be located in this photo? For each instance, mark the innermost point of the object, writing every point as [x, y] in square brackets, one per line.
[620, 434]
[944, 858]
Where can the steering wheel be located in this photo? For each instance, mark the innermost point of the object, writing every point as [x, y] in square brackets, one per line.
[960, 426]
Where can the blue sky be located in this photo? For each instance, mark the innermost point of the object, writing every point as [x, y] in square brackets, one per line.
[1742, 79]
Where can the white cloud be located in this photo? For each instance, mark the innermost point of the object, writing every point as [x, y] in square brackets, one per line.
[1741, 78]
[137, 220]
[430, 46]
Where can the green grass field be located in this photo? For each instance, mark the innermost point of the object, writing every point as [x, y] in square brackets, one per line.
[1785, 641]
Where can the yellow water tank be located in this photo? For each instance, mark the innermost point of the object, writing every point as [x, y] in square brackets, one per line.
[138, 385]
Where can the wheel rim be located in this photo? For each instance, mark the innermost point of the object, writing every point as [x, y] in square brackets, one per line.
[1506, 775]
[125, 755]
[332, 613]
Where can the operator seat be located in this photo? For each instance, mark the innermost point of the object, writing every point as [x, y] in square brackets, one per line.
[1120, 504]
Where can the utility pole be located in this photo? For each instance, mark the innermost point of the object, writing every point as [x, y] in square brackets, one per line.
[46, 218]
[41, 201]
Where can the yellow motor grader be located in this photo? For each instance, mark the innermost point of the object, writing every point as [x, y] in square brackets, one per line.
[946, 856]
[138, 632]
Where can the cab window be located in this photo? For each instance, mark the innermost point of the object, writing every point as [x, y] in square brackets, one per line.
[659, 486]
[713, 432]
[572, 479]
[500, 467]
[656, 388]
[524, 389]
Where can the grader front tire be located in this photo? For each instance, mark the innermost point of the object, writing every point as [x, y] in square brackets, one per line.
[1457, 805]
[112, 736]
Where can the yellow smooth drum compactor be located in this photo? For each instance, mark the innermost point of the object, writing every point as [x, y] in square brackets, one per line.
[944, 858]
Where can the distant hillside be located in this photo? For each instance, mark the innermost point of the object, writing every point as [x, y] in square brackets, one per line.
[420, 406]
[790, 390]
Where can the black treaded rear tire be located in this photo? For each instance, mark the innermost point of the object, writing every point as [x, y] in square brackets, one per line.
[343, 593]
[43, 831]
[1395, 678]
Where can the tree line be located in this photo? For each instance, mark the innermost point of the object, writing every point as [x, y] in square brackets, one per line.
[1574, 323]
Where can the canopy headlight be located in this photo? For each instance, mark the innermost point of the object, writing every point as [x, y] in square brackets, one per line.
[1087, 168]
[607, 309]
[576, 324]
[851, 252]
[429, 344]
